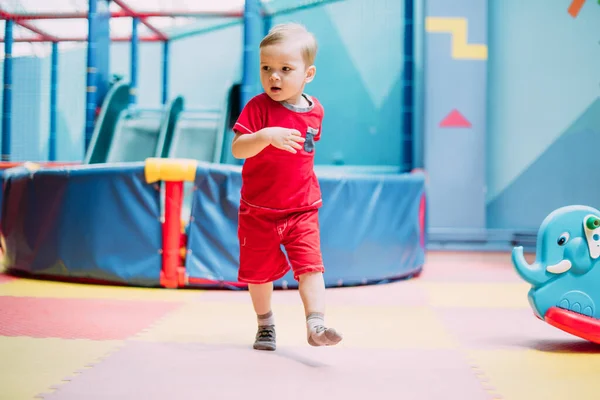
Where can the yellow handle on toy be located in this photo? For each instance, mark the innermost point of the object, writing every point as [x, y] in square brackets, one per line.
[170, 169]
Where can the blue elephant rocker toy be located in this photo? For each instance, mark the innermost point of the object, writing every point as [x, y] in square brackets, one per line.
[565, 277]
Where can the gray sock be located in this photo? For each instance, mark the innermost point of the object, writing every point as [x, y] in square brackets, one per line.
[266, 319]
[318, 334]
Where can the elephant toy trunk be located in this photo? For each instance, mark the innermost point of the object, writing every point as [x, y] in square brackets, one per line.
[534, 274]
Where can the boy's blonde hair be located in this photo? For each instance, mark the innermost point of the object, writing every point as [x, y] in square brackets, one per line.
[297, 33]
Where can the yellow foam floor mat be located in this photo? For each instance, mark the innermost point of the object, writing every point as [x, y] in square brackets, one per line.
[31, 366]
[362, 327]
[49, 289]
[477, 295]
[531, 374]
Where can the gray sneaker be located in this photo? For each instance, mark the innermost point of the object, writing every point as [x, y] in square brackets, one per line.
[265, 338]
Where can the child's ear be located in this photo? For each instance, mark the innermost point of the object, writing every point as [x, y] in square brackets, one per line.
[310, 73]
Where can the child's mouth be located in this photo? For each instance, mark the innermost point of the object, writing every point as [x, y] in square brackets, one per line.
[275, 89]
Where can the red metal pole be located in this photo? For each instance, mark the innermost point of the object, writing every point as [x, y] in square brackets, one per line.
[143, 20]
[123, 14]
[26, 25]
[173, 14]
[36, 16]
[172, 234]
[81, 39]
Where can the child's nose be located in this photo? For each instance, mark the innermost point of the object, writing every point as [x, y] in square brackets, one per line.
[274, 77]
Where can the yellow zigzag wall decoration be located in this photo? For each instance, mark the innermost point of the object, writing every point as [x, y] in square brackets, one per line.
[457, 28]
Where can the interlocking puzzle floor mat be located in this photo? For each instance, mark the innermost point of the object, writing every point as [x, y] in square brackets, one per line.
[462, 330]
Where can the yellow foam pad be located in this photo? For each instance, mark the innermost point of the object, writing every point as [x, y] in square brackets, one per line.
[362, 327]
[170, 169]
[30, 366]
[531, 374]
[39, 288]
[477, 295]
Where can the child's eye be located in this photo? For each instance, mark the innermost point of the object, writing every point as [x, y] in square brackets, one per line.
[265, 68]
[287, 69]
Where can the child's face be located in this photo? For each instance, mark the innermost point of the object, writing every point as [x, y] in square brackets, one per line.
[283, 72]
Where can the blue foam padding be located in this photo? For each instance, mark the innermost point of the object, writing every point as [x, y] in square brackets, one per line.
[370, 230]
[100, 222]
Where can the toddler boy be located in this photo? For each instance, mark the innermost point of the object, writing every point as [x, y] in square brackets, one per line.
[280, 197]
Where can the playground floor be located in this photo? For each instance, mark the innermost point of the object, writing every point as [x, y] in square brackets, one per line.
[463, 330]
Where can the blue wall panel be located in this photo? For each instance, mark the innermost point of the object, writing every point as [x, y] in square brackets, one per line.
[455, 112]
[544, 110]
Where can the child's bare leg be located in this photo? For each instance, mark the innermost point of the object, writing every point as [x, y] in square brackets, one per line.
[312, 293]
[261, 301]
[261, 297]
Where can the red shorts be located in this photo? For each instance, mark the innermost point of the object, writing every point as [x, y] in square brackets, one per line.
[261, 234]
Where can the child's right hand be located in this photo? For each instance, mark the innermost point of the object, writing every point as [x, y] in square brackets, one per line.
[284, 138]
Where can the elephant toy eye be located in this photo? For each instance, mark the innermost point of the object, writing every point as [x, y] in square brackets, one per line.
[563, 239]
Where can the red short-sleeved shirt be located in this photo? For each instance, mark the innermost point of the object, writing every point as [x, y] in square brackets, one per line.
[276, 179]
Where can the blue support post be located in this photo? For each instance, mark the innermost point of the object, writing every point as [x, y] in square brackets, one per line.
[134, 61]
[252, 36]
[267, 24]
[7, 91]
[90, 109]
[419, 85]
[408, 86]
[53, 102]
[165, 72]
[102, 27]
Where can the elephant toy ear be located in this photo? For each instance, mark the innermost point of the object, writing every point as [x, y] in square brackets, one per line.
[591, 228]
